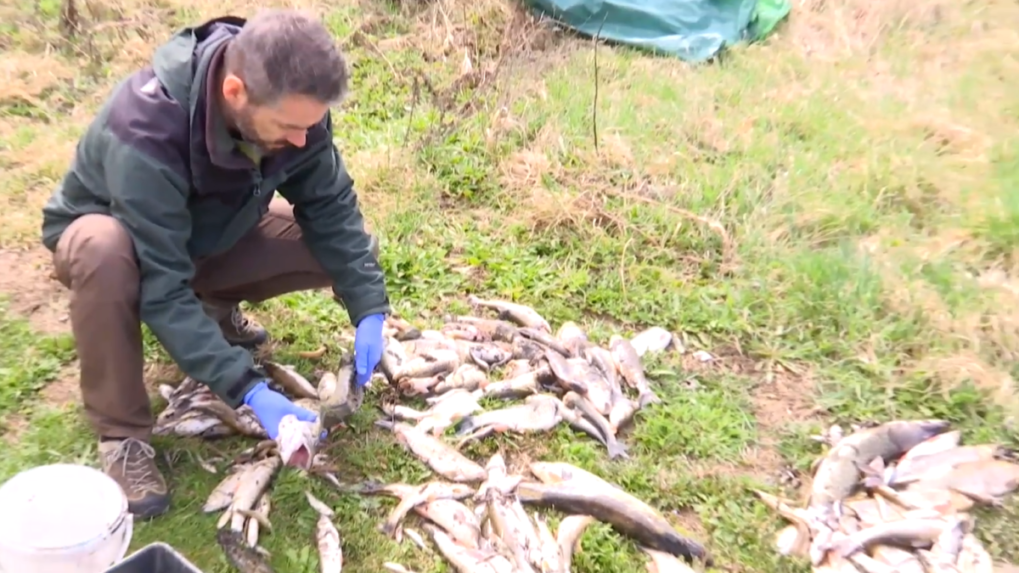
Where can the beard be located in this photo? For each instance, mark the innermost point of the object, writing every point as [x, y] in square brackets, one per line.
[244, 121]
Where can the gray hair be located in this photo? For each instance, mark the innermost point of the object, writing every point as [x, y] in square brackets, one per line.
[284, 52]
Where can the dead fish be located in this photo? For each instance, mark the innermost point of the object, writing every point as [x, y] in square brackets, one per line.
[578, 422]
[489, 356]
[568, 535]
[632, 370]
[564, 372]
[243, 558]
[404, 329]
[243, 425]
[438, 455]
[552, 558]
[573, 338]
[515, 368]
[254, 482]
[662, 562]
[545, 339]
[432, 363]
[936, 445]
[908, 533]
[986, 482]
[509, 521]
[523, 385]
[654, 339]
[257, 518]
[520, 314]
[524, 349]
[470, 332]
[622, 412]
[448, 410]
[413, 496]
[459, 522]
[625, 513]
[929, 466]
[418, 386]
[393, 357]
[417, 539]
[838, 473]
[603, 361]
[298, 441]
[290, 380]
[615, 448]
[347, 397]
[466, 377]
[465, 559]
[495, 329]
[327, 538]
[166, 392]
[538, 413]
[223, 493]
[599, 392]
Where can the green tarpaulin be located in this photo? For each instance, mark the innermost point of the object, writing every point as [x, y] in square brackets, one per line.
[693, 30]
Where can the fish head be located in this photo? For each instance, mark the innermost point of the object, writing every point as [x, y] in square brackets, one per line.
[296, 441]
[907, 434]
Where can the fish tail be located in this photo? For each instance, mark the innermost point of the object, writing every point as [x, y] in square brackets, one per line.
[387, 424]
[466, 425]
[648, 398]
[617, 450]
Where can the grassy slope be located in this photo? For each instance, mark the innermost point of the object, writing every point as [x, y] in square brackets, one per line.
[862, 166]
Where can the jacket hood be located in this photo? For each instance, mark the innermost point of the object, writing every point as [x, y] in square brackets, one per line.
[182, 62]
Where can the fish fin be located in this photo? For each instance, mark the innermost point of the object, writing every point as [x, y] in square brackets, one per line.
[476, 435]
[648, 398]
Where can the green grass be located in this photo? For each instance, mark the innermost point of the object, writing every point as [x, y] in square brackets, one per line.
[863, 171]
[27, 362]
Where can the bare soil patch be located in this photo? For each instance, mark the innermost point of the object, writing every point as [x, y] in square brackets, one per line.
[33, 295]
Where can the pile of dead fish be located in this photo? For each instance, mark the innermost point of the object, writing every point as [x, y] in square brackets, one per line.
[487, 529]
[243, 497]
[514, 354]
[896, 497]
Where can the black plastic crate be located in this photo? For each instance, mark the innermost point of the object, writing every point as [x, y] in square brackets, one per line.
[155, 558]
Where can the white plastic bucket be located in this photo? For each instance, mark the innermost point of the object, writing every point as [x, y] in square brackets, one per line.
[62, 518]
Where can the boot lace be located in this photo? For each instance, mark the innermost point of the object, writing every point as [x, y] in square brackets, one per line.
[137, 465]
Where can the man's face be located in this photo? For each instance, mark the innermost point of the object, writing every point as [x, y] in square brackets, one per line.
[272, 127]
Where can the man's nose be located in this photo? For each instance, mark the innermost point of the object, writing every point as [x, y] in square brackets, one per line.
[298, 139]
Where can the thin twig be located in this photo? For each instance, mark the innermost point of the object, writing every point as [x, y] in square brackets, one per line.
[594, 104]
[415, 95]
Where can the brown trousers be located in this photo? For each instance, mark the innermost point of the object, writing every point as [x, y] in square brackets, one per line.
[95, 259]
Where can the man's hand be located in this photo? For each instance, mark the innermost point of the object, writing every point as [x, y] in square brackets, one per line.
[270, 407]
[368, 346]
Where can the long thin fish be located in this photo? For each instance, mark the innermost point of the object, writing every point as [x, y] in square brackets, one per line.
[624, 513]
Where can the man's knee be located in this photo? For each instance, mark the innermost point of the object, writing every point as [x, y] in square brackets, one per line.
[97, 247]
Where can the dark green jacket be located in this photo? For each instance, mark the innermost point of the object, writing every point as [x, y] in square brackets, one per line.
[159, 159]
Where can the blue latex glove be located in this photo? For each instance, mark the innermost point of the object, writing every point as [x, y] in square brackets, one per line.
[270, 406]
[368, 346]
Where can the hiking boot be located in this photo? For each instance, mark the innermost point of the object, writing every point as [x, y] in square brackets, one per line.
[131, 463]
[238, 329]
